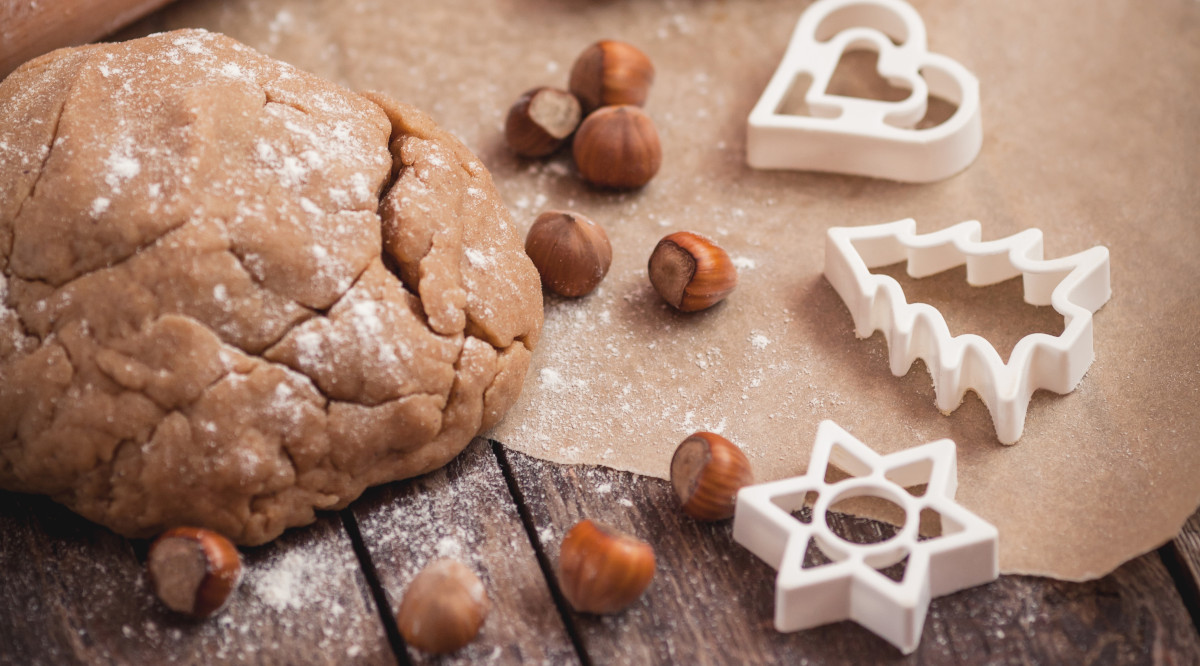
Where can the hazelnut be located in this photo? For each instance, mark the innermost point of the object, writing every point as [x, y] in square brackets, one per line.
[601, 570]
[707, 471]
[540, 121]
[608, 73]
[618, 146]
[443, 608]
[691, 272]
[193, 570]
[571, 253]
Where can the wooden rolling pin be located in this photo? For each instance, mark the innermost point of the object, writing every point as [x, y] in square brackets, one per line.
[29, 28]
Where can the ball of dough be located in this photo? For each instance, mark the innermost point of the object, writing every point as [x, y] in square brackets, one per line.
[232, 293]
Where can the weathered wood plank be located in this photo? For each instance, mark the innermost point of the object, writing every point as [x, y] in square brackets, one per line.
[74, 592]
[465, 511]
[1187, 544]
[712, 601]
[1184, 558]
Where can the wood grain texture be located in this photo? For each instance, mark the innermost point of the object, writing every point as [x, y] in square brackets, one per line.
[464, 511]
[712, 601]
[1187, 546]
[75, 593]
[1182, 557]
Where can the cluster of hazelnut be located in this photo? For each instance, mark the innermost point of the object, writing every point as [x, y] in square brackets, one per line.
[616, 144]
[572, 255]
[600, 570]
[194, 572]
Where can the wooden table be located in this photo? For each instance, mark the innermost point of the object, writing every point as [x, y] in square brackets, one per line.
[73, 592]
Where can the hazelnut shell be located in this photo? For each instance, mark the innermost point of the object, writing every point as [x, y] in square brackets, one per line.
[601, 570]
[707, 471]
[617, 146]
[193, 570]
[572, 254]
[443, 608]
[609, 73]
[691, 272]
[540, 121]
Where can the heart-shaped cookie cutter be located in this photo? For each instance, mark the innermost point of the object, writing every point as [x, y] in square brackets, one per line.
[850, 586]
[1075, 286]
[864, 136]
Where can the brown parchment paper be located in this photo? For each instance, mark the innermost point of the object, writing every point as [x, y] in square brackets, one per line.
[1091, 118]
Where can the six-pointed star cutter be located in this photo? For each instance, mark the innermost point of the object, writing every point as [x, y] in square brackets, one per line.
[849, 586]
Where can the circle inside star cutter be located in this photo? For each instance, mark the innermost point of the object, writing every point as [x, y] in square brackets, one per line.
[880, 554]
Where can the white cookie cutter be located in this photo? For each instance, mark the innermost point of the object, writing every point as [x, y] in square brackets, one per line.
[1076, 286]
[849, 586]
[864, 136]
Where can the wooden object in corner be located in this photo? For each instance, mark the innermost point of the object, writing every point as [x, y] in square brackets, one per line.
[30, 28]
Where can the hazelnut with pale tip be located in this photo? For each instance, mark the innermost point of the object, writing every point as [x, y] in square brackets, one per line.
[617, 147]
[443, 608]
[571, 253]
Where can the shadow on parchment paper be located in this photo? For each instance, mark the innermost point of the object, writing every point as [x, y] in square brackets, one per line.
[646, 311]
[997, 312]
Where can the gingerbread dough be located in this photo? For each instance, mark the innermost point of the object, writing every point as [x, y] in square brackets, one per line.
[234, 293]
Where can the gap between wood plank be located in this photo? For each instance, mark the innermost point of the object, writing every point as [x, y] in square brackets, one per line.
[386, 615]
[543, 559]
[1181, 575]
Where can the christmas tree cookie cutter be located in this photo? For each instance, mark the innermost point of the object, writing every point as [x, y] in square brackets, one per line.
[858, 136]
[1075, 286]
[850, 586]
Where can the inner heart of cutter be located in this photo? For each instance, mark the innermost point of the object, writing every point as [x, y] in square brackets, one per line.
[857, 76]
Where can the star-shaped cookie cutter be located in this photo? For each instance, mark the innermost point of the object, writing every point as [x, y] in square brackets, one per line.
[864, 136]
[850, 586]
[1076, 286]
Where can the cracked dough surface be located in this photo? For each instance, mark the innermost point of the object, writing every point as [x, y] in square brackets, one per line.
[232, 293]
